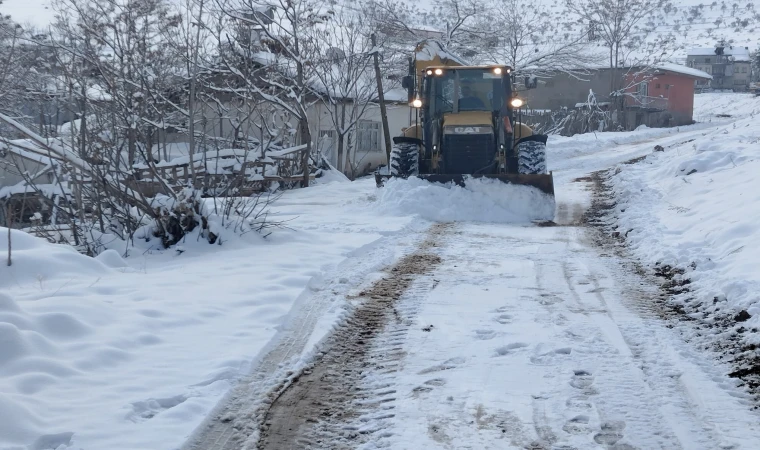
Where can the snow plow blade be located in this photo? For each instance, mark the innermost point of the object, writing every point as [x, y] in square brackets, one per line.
[542, 182]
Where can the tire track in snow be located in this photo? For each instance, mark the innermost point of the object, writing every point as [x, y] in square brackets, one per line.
[238, 417]
[333, 404]
[635, 331]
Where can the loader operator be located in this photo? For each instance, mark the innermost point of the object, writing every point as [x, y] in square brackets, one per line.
[469, 102]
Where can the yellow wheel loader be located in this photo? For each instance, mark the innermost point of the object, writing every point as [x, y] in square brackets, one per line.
[466, 126]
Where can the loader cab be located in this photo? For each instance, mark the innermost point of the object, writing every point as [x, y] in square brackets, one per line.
[462, 114]
[455, 90]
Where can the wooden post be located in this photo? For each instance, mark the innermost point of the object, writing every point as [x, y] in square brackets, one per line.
[9, 222]
[381, 97]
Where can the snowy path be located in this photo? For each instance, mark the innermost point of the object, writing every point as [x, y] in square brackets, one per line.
[522, 337]
[531, 340]
[337, 335]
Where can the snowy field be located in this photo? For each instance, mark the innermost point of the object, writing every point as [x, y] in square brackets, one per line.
[135, 353]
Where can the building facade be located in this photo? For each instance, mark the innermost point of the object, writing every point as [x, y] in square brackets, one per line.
[730, 67]
[657, 97]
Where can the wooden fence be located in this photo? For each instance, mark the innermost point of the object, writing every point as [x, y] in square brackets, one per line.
[228, 175]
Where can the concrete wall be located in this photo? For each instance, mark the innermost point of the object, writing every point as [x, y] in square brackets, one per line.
[222, 122]
[564, 90]
[321, 125]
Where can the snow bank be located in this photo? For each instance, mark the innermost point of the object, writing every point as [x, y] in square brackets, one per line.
[35, 261]
[710, 106]
[696, 206]
[481, 200]
[96, 355]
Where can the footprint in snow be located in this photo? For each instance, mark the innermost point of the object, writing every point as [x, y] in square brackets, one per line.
[504, 319]
[148, 409]
[446, 365]
[611, 433]
[429, 385]
[583, 380]
[579, 402]
[510, 348]
[577, 425]
[542, 357]
[484, 335]
[549, 299]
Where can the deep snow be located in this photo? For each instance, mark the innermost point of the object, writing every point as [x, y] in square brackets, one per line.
[480, 200]
[696, 206]
[114, 353]
[133, 354]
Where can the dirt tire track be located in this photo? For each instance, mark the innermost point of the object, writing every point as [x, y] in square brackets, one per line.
[236, 420]
[318, 408]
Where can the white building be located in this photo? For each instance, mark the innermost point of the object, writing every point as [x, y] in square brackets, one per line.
[730, 67]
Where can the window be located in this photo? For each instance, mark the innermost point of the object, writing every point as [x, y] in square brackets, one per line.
[708, 60]
[643, 89]
[327, 143]
[657, 86]
[368, 136]
[667, 86]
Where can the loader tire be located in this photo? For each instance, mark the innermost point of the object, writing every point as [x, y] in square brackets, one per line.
[531, 157]
[405, 160]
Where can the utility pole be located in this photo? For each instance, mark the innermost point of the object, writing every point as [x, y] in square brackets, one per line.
[381, 97]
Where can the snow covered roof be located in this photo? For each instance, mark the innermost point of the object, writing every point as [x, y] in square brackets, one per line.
[677, 68]
[25, 148]
[430, 48]
[739, 53]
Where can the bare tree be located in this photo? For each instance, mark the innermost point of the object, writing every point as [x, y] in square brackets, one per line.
[532, 38]
[345, 83]
[625, 26]
[283, 53]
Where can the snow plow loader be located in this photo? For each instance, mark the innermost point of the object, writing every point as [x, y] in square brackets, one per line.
[465, 127]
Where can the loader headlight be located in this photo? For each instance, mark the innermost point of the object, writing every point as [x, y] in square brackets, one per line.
[439, 71]
[429, 72]
[497, 70]
[516, 102]
[417, 103]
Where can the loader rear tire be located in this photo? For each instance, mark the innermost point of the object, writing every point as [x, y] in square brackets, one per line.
[405, 159]
[531, 157]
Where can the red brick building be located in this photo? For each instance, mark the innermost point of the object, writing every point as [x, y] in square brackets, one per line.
[662, 96]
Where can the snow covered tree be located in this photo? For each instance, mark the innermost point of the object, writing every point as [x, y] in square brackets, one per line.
[278, 62]
[624, 27]
[532, 37]
[345, 82]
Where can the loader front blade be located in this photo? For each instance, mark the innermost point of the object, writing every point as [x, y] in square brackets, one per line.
[543, 182]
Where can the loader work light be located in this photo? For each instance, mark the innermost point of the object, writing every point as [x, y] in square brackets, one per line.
[439, 71]
[417, 103]
[497, 70]
[516, 102]
[429, 72]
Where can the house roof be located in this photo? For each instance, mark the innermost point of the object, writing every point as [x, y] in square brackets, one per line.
[683, 70]
[739, 53]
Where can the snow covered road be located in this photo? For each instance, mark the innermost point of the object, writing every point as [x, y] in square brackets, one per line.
[408, 317]
[530, 339]
[522, 337]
